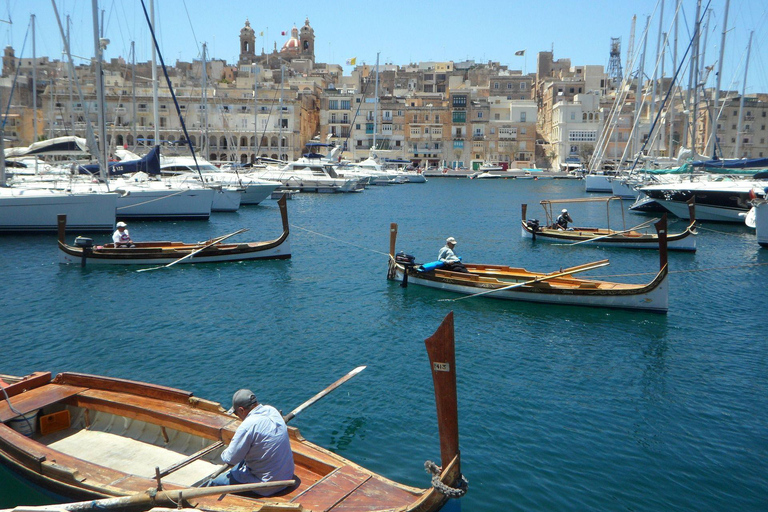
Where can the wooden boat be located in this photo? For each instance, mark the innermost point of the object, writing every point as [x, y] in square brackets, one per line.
[634, 238]
[165, 253]
[100, 437]
[560, 287]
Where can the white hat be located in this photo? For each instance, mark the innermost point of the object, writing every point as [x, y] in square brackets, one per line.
[450, 240]
[122, 224]
[564, 211]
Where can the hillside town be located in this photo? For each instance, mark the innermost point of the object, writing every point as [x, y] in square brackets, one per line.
[454, 114]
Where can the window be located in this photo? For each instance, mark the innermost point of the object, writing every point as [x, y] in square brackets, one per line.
[368, 127]
[345, 105]
[437, 118]
[479, 115]
[522, 131]
[573, 116]
[495, 85]
[496, 117]
[357, 126]
[460, 101]
[458, 144]
[460, 117]
[522, 117]
[415, 130]
[493, 130]
[582, 135]
[522, 86]
[415, 118]
[509, 85]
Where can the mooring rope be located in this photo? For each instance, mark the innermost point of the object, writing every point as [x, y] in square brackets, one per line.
[720, 232]
[709, 269]
[341, 241]
[451, 492]
[153, 200]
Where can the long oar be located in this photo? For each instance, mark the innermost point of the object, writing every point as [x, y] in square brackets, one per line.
[146, 500]
[219, 240]
[614, 233]
[583, 268]
[288, 417]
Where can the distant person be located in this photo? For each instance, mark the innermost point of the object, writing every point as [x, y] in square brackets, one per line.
[449, 258]
[121, 237]
[260, 450]
[563, 219]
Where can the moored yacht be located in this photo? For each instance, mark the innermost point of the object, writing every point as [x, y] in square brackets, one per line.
[26, 209]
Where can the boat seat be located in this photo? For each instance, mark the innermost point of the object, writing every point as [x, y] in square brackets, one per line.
[332, 489]
[589, 285]
[36, 398]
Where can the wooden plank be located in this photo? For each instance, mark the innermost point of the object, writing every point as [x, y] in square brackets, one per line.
[124, 386]
[36, 399]
[28, 382]
[333, 489]
[375, 494]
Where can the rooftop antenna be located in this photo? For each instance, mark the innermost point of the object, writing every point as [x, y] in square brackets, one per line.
[614, 64]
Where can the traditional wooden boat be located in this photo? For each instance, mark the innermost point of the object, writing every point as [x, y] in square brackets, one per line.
[560, 287]
[100, 437]
[634, 238]
[167, 253]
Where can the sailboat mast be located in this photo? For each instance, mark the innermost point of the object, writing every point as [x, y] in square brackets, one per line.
[639, 92]
[255, 116]
[692, 77]
[716, 112]
[671, 109]
[155, 108]
[101, 149]
[376, 104]
[656, 67]
[34, 84]
[739, 132]
[133, 91]
[205, 146]
[280, 130]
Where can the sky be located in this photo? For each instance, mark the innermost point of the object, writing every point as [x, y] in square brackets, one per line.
[403, 32]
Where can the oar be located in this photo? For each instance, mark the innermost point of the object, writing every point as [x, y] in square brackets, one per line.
[219, 240]
[614, 233]
[288, 417]
[146, 500]
[576, 270]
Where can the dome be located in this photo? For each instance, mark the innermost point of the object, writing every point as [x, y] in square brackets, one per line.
[293, 43]
[247, 28]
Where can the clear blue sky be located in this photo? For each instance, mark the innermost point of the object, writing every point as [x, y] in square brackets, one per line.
[402, 31]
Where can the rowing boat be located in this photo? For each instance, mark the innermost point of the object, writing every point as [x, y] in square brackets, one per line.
[629, 238]
[100, 437]
[161, 253]
[559, 287]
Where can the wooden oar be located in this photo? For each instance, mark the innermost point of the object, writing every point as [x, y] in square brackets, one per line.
[288, 417]
[614, 233]
[568, 272]
[146, 500]
[219, 240]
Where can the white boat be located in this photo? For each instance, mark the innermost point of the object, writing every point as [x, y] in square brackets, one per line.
[24, 209]
[719, 200]
[485, 176]
[597, 183]
[310, 175]
[253, 190]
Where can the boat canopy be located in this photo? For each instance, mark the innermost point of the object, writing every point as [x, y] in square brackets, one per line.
[149, 164]
[68, 145]
[741, 163]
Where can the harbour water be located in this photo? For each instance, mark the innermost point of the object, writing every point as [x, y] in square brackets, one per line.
[561, 408]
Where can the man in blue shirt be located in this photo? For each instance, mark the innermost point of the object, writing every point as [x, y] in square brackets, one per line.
[260, 450]
[449, 258]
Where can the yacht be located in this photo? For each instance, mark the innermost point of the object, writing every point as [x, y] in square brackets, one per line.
[26, 209]
[310, 174]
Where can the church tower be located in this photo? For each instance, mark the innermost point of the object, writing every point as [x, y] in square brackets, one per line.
[247, 44]
[307, 40]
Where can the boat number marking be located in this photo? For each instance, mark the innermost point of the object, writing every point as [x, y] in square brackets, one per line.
[441, 367]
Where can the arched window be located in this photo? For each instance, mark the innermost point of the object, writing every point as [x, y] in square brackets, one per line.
[243, 159]
[283, 141]
[274, 156]
[306, 45]
[129, 140]
[273, 142]
[223, 142]
[253, 158]
[253, 141]
[119, 140]
[264, 142]
[212, 157]
[243, 142]
[193, 139]
[223, 157]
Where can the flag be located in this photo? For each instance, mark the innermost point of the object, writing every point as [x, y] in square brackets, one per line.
[261, 34]
[283, 33]
[520, 53]
[352, 61]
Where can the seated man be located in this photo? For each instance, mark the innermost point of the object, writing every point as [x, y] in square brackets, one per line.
[447, 256]
[121, 237]
[563, 219]
[260, 450]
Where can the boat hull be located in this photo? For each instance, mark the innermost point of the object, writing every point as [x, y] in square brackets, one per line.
[652, 297]
[761, 223]
[37, 210]
[165, 204]
[704, 212]
[597, 183]
[685, 241]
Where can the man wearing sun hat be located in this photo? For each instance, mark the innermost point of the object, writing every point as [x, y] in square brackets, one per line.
[563, 219]
[121, 237]
[448, 257]
[260, 450]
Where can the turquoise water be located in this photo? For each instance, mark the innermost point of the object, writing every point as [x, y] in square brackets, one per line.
[561, 408]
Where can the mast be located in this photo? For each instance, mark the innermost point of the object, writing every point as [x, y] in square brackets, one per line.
[71, 99]
[34, 86]
[716, 113]
[3, 184]
[280, 128]
[133, 91]
[656, 67]
[101, 149]
[671, 109]
[692, 77]
[639, 92]
[255, 116]
[375, 105]
[703, 75]
[205, 146]
[155, 108]
[739, 132]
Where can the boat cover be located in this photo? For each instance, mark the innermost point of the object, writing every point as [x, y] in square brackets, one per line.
[149, 164]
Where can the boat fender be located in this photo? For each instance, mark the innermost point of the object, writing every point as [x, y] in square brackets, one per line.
[432, 265]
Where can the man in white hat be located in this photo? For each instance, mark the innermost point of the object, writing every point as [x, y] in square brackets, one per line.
[121, 237]
[563, 219]
[448, 257]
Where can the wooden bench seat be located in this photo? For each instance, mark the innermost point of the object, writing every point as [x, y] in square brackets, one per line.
[36, 398]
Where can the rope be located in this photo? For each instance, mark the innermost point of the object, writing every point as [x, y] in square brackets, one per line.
[451, 492]
[684, 271]
[153, 200]
[341, 241]
[720, 232]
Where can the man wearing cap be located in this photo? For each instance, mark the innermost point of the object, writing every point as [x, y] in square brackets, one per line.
[260, 450]
[563, 219]
[450, 260]
[121, 237]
